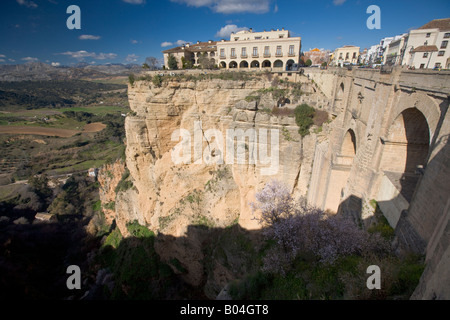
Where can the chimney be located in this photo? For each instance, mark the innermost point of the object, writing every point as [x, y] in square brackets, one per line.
[198, 42]
[251, 30]
[282, 29]
[209, 41]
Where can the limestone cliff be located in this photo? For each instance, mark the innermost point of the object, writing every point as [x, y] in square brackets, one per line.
[184, 172]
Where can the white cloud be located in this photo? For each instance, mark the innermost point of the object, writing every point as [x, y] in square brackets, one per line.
[338, 2]
[88, 37]
[134, 41]
[166, 44]
[178, 43]
[82, 54]
[230, 6]
[131, 58]
[30, 59]
[2, 56]
[2, 60]
[56, 64]
[275, 9]
[226, 31]
[134, 1]
[11, 60]
[181, 42]
[29, 4]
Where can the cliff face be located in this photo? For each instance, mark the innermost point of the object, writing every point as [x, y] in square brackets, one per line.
[185, 169]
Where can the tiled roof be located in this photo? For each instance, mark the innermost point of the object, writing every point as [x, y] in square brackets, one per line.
[425, 49]
[441, 24]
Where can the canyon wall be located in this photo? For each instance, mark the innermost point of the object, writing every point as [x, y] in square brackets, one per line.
[387, 144]
[187, 168]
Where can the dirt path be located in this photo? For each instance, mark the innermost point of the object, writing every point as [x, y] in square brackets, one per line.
[43, 131]
[38, 131]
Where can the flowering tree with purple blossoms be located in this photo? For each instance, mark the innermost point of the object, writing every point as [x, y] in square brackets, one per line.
[299, 228]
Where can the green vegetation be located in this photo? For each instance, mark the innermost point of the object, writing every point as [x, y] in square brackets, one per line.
[57, 93]
[172, 62]
[138, 270]
[125, 183]
[304, 118]
[131, 79]
[157, 81]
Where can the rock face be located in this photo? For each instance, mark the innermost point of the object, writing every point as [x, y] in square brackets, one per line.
[197, 152]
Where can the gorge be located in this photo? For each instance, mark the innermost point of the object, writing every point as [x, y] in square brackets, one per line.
[385, 141]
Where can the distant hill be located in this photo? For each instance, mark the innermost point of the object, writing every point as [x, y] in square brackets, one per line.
[42, 71]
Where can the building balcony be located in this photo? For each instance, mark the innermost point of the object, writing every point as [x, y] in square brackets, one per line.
[244, 56]
[291, 54]
[266, 55]
[233, 56]
[278, 54]
[223, 57]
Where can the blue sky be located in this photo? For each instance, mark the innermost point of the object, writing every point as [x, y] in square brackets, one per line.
[128, 31]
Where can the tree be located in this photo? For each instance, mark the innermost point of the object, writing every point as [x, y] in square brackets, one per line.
[145, 66]
[308, 62]
[172, 62]
[151, 62]
[205, 62]
[187, 64]
[304, 118]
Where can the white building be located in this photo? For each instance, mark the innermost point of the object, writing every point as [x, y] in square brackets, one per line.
[345, 55]
[274, 49]
[394, 52]
[428, 46]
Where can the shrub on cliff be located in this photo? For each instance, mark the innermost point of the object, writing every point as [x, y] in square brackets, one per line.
[299, 229]
[304, 115]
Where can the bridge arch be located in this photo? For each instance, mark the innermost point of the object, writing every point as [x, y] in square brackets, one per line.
[340, 171]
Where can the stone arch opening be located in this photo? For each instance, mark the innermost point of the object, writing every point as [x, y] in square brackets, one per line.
[340, 171]
[254, 64]
[403, 160]
[289, 64]
[243, 64]
[232, 65]
[266, 64]
[405, 150]
[278, 64]
[222, 64]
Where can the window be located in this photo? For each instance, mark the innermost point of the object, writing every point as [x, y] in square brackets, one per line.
[258, 38]
[233, 52]
[441, 53]
[447, 35]
[354, 55]
[255, 51]
[422, 66]
[236, 39]
[267, 51]
[437, 65]
[444, 44]
[425, 54]
[278, 53]
[281, 35]
[428, 35]
[244, 52]
[346, 56]
[222, 53]
[340, 55]
[291, 50]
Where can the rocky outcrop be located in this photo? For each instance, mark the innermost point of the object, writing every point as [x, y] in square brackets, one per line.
[188, 167]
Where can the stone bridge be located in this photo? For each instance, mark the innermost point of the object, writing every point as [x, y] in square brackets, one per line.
[390, 143]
